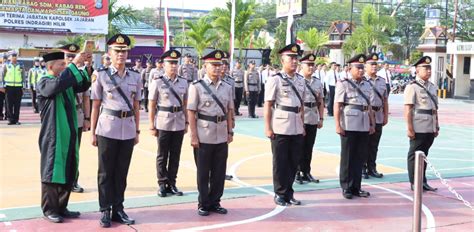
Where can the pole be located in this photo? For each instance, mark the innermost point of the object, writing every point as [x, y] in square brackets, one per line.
[352, 10]
[418, 190]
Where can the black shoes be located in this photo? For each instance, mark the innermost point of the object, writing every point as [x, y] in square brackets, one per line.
[203, 211]
[162, 191]
[70, 214]
[365, 175]
[360, 193]
[298, 178]
[375, 174]
[218, 209]
[308, 177]
[228, 177]
[122, 217]
[173, 190]
[76, 188]
[426, 187]
[54, 218]
[280, 201]
[347, 194]
[105, 220]
[293, 201]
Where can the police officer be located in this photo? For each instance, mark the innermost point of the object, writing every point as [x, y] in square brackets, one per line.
[187, 69]
[210, 113]
[145, 75]
[13, 78]
[3, 61]
[238, 75]
[332, 77]
[116, 92]
[354, 123]
[252, 88]
[138, 66]
[421, 113]
[313, 117]
[379, 103]
[230, 81]
[33, 76]
[105, 61]
[158, 71]
[283, 113]
[168, 99]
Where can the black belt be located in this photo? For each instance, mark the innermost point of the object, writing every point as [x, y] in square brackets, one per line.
[251, 84]
[172, 109]
[376, 108]
[189, 81]
[312, 104]
[215, 119]
[118, 113]
[293, 109]
[357, 107]
[238, 82]
[430, 112]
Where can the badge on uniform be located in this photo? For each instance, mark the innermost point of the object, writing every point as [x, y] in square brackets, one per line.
[208, 103]
[109, 95]
[93, 78]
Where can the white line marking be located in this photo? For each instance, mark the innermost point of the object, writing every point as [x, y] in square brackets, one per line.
[278, 209]
[430, 221]
[7, 223]
[2, 216]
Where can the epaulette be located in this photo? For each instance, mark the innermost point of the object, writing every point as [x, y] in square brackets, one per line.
[196, 81]
[156, 78]
[226, 82]
[133, 70]
[277, 74]
[102, 69]
[180, 77]
[412, 82]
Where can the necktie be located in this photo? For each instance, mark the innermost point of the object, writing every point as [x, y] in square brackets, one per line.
[335, 77]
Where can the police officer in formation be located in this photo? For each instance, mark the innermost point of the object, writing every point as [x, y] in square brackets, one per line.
[3, 63]
[421, 114]
[34, 75]
[284, 123]
[313, 117]
[354, 122]
[168, 121]
[145, 75]
[210, 110]
[379, 104]
[238, 75]
[230, 81]
[116, 92]
[13, 79]
[252, 88]
[187, 70]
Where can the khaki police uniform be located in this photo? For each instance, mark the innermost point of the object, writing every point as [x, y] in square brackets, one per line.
[238, 75]
[188, 72]
[252, 86]
[425, 120]
[213, 134]
[145, 75]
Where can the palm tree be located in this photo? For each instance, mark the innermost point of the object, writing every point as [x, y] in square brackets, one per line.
[200, 34]
[245, 24]
[370, 33]
[313, 39]
[125, 14]
[77, 39]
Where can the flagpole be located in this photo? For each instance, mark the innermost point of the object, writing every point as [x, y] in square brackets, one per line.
[232, 29]
[166, 31]
[289, 25]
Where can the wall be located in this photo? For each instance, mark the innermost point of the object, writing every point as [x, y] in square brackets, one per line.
[462, 83]
[31, 40]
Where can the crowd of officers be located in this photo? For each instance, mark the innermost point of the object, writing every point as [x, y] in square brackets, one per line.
[179, 101]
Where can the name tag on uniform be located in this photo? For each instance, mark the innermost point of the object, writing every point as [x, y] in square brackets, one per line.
[163, 86]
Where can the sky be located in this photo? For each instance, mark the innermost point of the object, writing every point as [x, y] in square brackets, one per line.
[188, 4]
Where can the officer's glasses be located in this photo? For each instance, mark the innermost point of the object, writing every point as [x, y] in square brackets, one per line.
[358, 66]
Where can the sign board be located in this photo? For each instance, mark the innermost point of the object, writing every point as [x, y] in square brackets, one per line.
[460, 48]
[283, 7]
[73, 16]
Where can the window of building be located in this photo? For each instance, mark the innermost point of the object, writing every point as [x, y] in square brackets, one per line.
[467, 65]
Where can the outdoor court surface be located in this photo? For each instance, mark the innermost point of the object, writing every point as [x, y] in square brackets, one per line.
[249, 196]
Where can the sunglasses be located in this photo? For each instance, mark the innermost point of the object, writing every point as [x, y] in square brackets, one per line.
[358, 66]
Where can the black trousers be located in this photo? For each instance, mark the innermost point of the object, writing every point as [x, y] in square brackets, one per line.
[211, 160]
[54, 197]
[238, 99]
[13, 102]
[332, 90]
[2, 101]
[33, 99]
[253, 98]
[388, 88]
[354, 148]
[145, 97]
[287, 150]
[169, 152]
[79, 137]
[114, 161]
[305, 162]
[261, 95]
[422, 142]
[374, 140]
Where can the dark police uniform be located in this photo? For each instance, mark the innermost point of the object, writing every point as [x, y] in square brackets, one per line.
[286, 94]
[313, 103]
[213, 132]
[170, 97]
[116, 132]
[353, 99]
[252, 86]
[421, 95]
[379, 104]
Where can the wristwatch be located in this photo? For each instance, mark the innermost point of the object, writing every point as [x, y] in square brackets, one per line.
[138, 131]
[88, 119]
[231, 133]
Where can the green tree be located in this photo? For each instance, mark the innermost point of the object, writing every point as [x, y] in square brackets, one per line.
[313, 39]
[369, 34]
[280, 37]
[77, 39]
[245, 22]
[261, 42]
[125, 14]
[200, 35]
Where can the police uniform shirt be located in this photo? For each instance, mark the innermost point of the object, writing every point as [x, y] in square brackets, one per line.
[379, 84]
[386, 74]
[34, 74]
[161, 93]
[279, 91]
[145, 75]
[201, 101]
[353, 119]
[238, 75]
[311, 114]
[9, 67]
[155, 73]
[230, 81]
[103, 89]
[418, 97]
[187, 72]
[79, 107]
[252, 81]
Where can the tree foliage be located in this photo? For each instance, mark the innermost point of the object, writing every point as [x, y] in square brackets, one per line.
[125, 14]
[313, 39]
[200, 34]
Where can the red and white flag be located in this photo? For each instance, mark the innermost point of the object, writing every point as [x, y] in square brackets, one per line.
[232, 29]
[166, 35]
